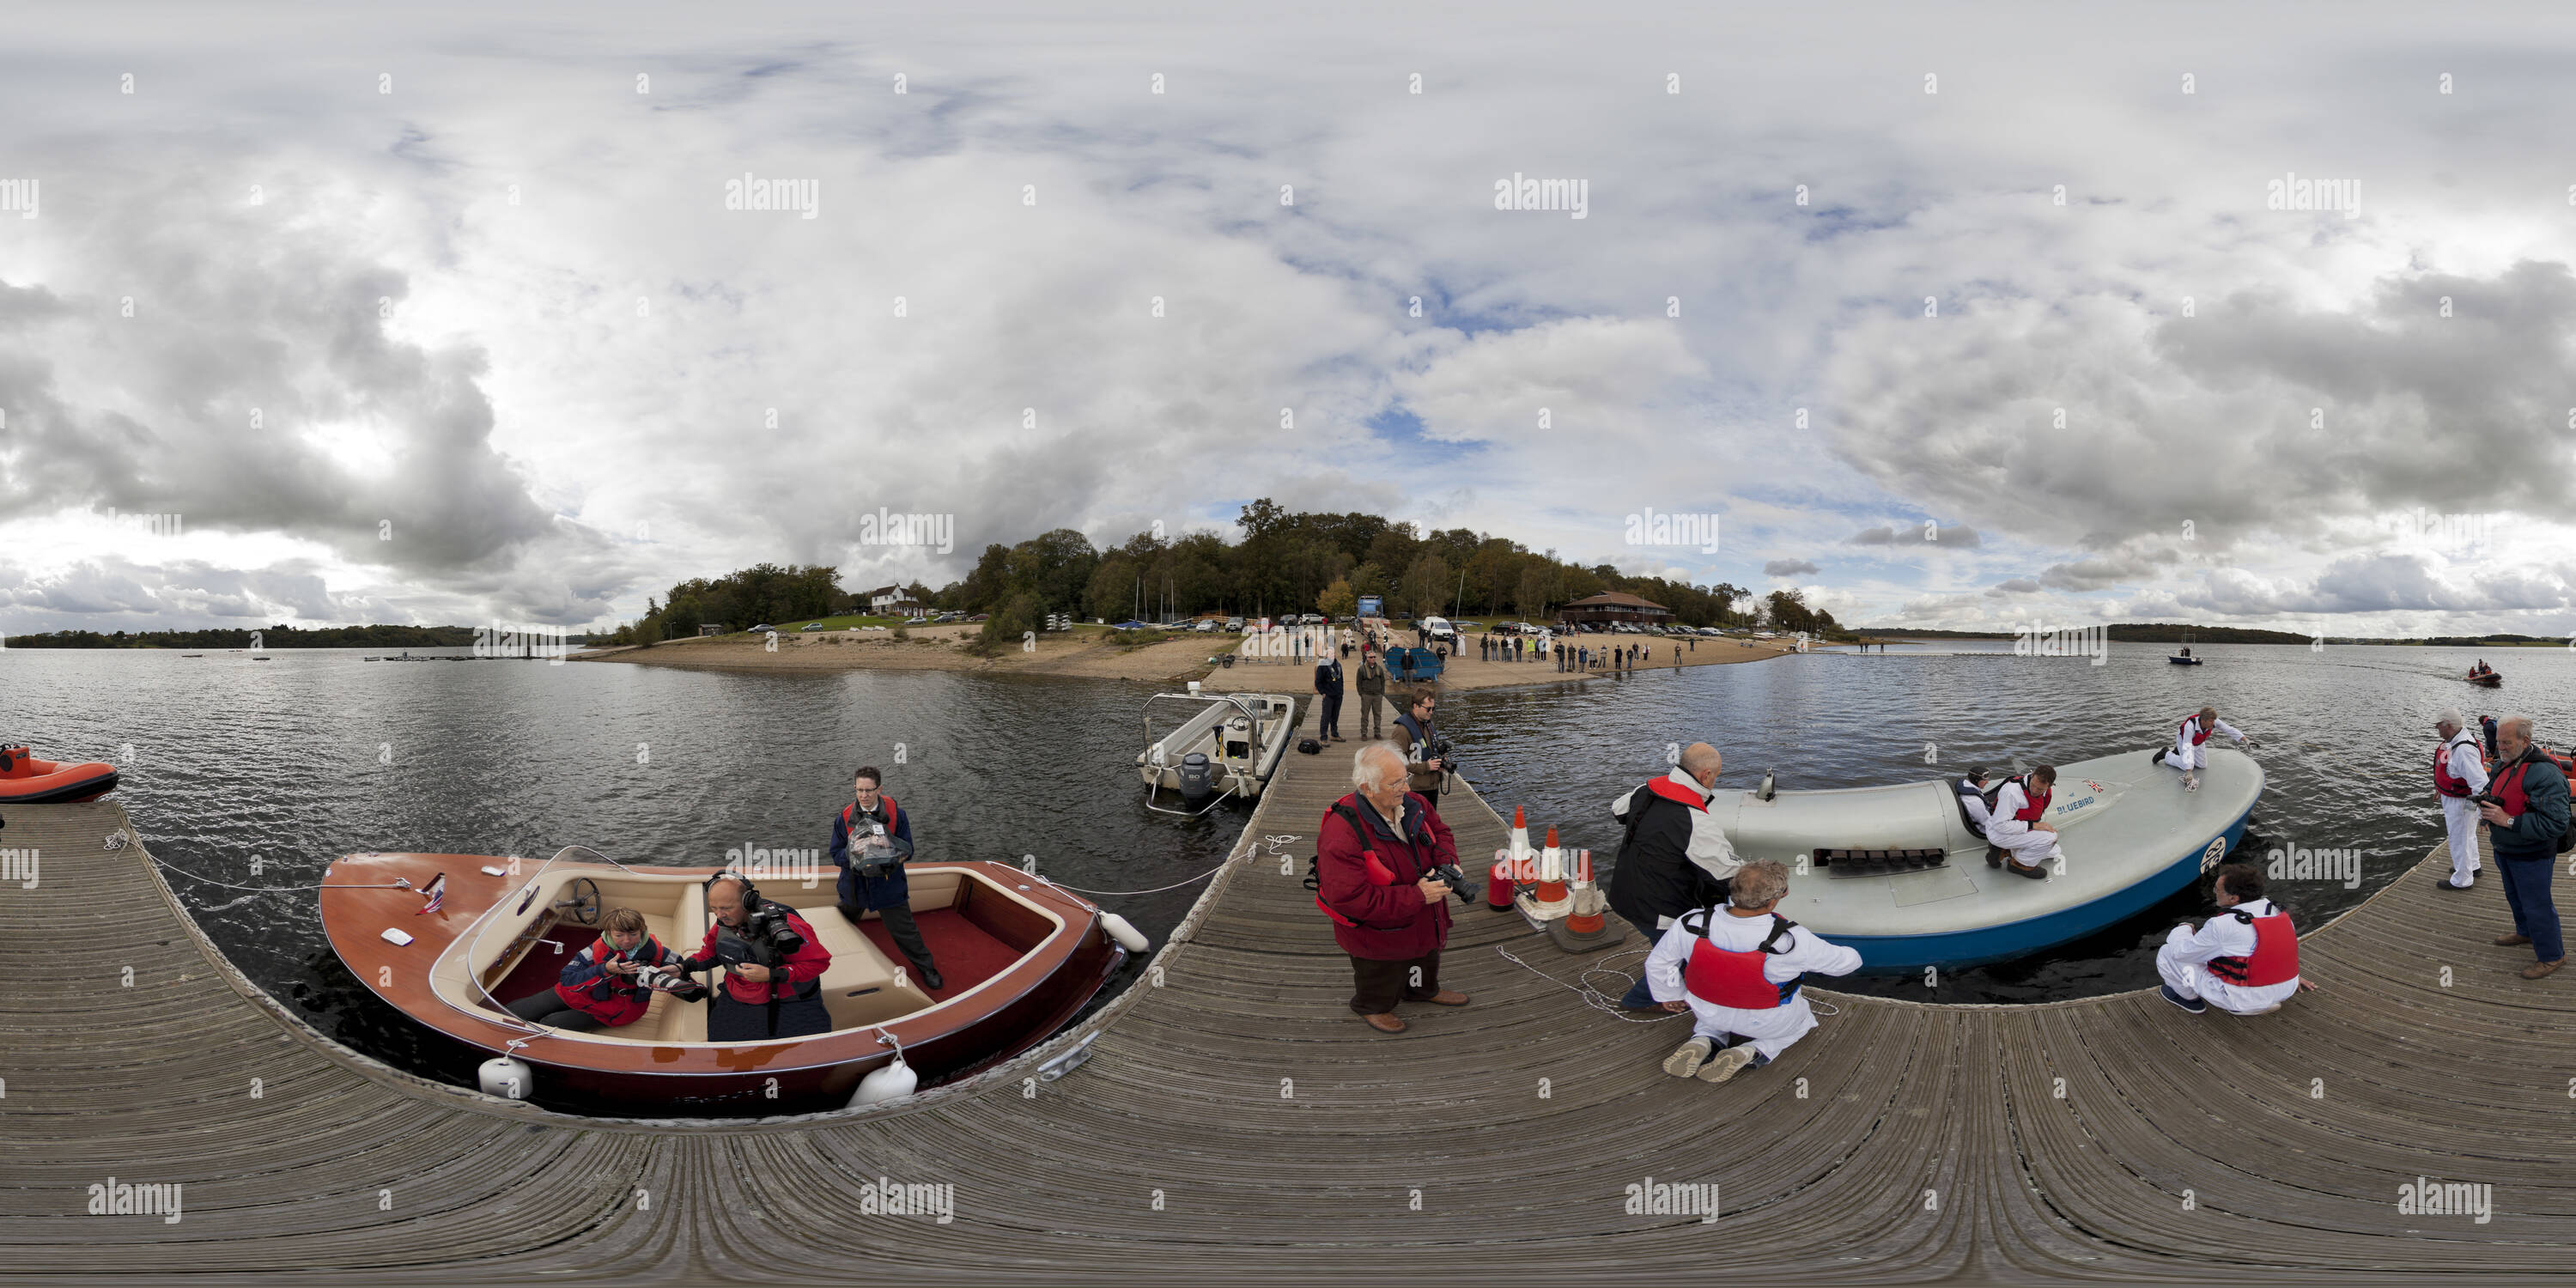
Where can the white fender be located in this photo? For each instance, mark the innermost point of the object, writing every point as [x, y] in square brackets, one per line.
[507, 1078]
[1128, 936]
[892, 1082]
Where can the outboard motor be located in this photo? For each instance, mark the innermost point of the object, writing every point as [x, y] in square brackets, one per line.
[1198, 780]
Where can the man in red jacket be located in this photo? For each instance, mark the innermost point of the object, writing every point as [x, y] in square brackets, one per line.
[771, 989]
[1374, 854]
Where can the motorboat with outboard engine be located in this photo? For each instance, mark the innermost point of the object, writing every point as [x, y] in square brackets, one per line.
[1225, 745]
[451, 939]
[25, 780]
[1895, 872]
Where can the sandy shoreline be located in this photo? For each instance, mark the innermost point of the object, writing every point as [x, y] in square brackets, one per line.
[1097, 656]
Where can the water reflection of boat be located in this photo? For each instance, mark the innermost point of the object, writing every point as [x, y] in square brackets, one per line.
[1895, 873]
[1226, 745]
[1018, 957]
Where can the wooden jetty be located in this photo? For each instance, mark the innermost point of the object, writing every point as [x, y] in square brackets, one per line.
[1236, 1120]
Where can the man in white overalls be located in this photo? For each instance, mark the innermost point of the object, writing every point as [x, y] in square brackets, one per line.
[2459, 775]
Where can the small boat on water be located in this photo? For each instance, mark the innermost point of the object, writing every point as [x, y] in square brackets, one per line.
[1018, 958]
[2183, 658]
[1895, 873]
[1225, 745]
[25, 780]
[2486, 679]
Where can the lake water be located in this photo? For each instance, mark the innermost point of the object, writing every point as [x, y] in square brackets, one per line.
[261, 773]
[2347, 734]
[292, 762]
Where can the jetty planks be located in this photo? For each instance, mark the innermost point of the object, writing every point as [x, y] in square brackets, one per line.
[1235, 1119]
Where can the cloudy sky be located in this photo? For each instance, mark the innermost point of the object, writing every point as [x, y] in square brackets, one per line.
[347, 314]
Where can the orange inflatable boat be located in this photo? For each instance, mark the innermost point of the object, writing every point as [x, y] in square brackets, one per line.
[25, 780]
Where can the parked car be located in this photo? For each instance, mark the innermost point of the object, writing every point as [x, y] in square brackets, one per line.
[1205, 626]
[811, 626]
[1234, 624]
[764, 626]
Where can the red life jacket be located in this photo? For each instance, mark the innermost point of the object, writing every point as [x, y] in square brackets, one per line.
[2276, 952]
[2443, 782]
[613, 999]
[2506, 786]
[2185, 730]
[1676, 793]
[2038, 798]
[1733, 977]
[1378, 872]
[850, 812]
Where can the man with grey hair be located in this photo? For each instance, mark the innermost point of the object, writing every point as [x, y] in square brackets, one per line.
[2459, 778]
[1738, 971]
[1376, 857]
[1674, 857]
[2526, 812]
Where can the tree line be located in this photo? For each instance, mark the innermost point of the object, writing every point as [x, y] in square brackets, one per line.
[1286, 562]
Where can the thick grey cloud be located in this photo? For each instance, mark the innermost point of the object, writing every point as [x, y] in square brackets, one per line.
[1789, 567]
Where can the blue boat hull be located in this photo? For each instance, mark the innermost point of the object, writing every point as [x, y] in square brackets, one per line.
[1889, 954]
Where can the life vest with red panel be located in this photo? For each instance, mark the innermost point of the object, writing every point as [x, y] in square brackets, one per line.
[2443, 781]
[1733, 977]
[850, 812]
[2037, 796]
[2275, 959]
[614, 1000]
[2190, 728]
[2506, 786]
[1378, 872]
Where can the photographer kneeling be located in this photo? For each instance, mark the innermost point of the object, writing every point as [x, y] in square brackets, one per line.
[611, 982]
[1379, 859]
[773, 967]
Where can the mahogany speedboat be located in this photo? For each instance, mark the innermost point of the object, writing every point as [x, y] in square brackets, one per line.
[1018, 957]
[25, 780]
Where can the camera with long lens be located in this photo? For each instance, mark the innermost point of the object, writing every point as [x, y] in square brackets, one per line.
[1449, 875]
[658, 979]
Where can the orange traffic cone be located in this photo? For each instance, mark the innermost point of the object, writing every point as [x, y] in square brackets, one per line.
[1498, 883]
[1583, 921]
[1551, 891]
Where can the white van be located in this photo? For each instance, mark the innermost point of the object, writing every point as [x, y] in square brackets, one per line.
[1438, 631]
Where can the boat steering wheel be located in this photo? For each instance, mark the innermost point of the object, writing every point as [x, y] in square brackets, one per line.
[582, 907]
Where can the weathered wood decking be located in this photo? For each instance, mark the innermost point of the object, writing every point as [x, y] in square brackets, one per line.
[1238, 1121]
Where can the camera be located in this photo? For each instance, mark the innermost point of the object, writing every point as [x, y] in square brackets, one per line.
[660, 980]
[1448, 874]
[875, 852]
[768, 924]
